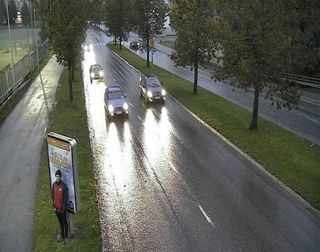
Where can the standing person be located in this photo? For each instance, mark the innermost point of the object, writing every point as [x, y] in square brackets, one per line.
[60, 200]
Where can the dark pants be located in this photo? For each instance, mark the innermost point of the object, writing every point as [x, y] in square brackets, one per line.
[63, 224]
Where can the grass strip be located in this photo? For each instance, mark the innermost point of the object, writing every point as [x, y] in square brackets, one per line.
[69, 118]
[292, 159]
[6, 59]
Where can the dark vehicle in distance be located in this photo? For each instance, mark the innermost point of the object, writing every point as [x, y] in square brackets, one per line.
[134, 45]
[151, 89]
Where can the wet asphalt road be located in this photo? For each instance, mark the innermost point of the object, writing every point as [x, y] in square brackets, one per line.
[167, 183]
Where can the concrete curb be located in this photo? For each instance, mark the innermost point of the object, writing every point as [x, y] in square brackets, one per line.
[255, 163]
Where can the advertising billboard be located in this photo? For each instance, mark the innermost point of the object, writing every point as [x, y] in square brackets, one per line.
[62, 155]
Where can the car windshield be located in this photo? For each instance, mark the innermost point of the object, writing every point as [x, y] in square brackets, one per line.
[115, 95]
[153, 84]
[95, 68]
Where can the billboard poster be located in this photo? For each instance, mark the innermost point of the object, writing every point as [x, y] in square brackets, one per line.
[62, 156]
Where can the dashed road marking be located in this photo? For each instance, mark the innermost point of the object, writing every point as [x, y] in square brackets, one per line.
[313, 120]
[206, 216]
[173, 167]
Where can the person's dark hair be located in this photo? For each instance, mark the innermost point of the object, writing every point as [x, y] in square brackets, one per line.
[58, 172]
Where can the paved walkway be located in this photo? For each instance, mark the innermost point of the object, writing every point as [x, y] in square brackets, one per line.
[21, 138]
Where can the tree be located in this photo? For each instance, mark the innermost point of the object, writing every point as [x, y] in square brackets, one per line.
[194, 23]
[306, 52]
[25, 14]
[117, 18]
[3, 12]
[12, 12]
[66, 31]
[149, 17]
[255, 37]
[97, 10]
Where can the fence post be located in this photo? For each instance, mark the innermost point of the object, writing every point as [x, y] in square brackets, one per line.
[7, 77]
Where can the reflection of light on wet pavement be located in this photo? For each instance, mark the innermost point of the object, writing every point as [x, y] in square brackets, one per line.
[157, 135]
[119, 156]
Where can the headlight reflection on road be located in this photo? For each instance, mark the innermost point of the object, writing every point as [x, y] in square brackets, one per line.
[118, 149]
[89, 59]
[157, 135]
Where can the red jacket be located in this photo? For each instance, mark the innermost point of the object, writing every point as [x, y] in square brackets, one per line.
[59, 196]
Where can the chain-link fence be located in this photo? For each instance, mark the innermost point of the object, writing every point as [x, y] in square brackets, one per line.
[21, 47]
[12, 77]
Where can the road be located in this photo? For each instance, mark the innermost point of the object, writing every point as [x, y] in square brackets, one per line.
[167, 183]
[304, 121]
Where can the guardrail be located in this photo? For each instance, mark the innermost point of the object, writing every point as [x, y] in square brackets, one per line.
[303, 80]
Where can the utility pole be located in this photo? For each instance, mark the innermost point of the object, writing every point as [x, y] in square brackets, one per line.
[38, 62]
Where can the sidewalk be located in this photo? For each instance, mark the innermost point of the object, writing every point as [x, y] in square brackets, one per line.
[21, 135]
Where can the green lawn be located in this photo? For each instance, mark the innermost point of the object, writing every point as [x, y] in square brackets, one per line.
[5, 59]
[70, 119]
[289, 157]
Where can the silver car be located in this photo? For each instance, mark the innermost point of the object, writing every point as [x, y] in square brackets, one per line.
[115, 102]
[96, 72]
[151, 89]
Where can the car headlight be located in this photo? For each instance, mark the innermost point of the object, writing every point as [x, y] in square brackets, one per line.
[163, 92]
[101, 73]
[149, 94]
[125, 106]
[92, 75]
[110, 108]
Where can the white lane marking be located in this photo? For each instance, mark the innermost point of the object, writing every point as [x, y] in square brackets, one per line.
[313, 120]
[131, 104]
[140, 118]
[206, 216]
[173, 167]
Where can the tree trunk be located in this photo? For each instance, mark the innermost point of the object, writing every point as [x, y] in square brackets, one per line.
[72, 69]
[120, 42]
[148, 49]
[70, 82]
[254, 119]
[195, 81]
[115, 39]
[148, 53]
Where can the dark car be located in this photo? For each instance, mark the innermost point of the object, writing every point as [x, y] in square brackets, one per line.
[115, 102]
[134, 45]
[151, 89]
[96, 72]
